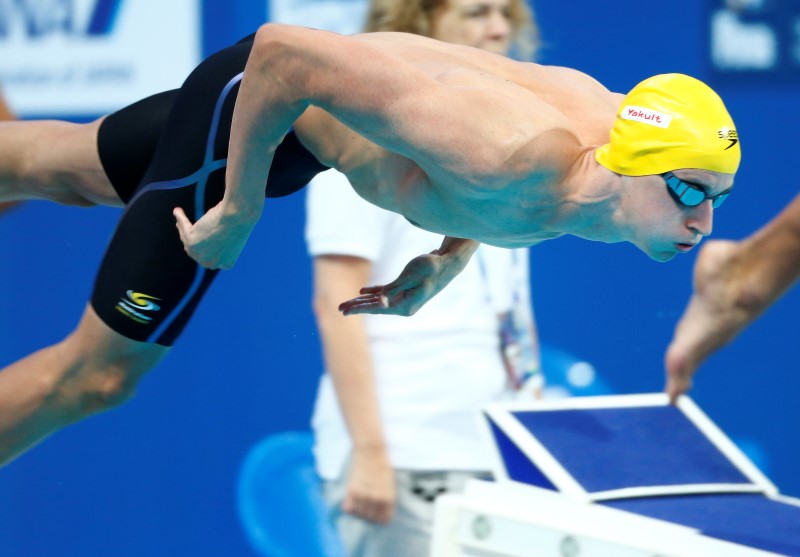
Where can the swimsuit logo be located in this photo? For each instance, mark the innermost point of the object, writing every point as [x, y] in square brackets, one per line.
[646, 116]
[136, 303]
[730, 135]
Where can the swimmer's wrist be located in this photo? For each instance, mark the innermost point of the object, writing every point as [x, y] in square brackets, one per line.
[457, 251]
[241, 211]
[457, 247]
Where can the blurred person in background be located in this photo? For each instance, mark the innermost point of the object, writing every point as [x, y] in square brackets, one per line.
[394, 420]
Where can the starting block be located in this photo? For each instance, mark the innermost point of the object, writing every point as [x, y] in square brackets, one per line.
[614, 476]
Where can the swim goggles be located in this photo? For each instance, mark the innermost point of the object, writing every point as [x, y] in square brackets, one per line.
[689, 195]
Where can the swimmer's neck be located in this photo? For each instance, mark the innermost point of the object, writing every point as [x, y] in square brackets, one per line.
[590, 202]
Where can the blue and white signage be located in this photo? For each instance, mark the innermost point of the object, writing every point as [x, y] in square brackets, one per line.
[755, 38]
[89, 57]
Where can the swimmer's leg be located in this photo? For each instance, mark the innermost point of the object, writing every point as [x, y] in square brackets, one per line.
[55, 161]
[146, 288]
[99, 163]
[92, 370]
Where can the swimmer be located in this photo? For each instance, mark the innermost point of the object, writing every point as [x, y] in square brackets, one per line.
[533, 162]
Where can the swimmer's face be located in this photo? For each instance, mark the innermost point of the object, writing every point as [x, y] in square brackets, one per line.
[483, 24]
[662, 225]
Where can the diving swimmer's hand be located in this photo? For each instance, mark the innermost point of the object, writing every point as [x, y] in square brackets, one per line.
[216, 240]
[421, 280]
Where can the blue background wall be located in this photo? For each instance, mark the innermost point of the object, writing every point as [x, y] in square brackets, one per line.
[157, 476]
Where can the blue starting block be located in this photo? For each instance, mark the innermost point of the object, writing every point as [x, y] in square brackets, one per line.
[615, 476]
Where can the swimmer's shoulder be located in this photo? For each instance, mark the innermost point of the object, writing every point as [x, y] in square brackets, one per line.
[576, 80]
[568, 89]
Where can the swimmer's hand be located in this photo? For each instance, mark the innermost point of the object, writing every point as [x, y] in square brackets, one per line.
[217, 239]
[418, 283]
[423, 278]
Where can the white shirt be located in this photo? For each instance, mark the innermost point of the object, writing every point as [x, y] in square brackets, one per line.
[433, 370]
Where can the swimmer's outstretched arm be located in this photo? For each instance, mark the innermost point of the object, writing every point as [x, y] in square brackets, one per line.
[423, 278]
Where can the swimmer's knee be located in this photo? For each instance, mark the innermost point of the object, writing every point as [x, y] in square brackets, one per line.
[102, 389]
[96, 380]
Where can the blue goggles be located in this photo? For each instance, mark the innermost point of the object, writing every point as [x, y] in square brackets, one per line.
[690, 195]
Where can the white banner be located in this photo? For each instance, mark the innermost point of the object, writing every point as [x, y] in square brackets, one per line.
[341, 16]
[90, 57]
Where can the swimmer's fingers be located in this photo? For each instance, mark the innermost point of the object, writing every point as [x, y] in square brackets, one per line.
[417, 283]
[183, 224]
[369, 303]
[192, 241]
[211, 243]
[372, 289]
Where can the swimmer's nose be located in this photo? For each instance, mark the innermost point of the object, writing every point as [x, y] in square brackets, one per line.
[701, 218]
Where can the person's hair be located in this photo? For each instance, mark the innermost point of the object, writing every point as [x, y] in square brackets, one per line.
[417, 16]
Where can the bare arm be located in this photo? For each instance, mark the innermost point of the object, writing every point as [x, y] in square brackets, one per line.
[423, 278]
[734, 283]
[270, 100]
[370, 486]
[774, 252]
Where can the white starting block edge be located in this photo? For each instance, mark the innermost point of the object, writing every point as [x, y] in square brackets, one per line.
[502, 415]
[495, 519]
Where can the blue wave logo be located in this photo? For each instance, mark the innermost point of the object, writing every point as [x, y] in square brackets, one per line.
[136, 304]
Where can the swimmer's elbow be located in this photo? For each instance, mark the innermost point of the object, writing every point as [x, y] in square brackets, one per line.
[269, 46]
[282, 56]
[269, 34]
[279, 46]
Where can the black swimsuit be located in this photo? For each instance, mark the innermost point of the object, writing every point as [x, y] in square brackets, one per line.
[170, 150]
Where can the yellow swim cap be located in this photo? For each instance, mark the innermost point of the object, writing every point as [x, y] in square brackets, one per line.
[668, 122]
